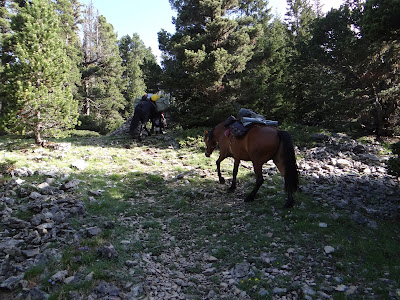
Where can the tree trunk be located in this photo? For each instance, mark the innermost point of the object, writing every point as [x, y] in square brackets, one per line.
[379, 115]
[38, 138]
[87, 99]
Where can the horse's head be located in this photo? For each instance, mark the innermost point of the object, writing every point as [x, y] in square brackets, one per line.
[210, 141]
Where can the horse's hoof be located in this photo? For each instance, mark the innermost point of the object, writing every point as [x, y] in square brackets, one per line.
[231, 189]
[222, 180]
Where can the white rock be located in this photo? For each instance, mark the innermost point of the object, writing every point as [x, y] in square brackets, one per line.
[79, 164]
[69, 279]
[19, 181]
[329, 249]
[60, 276]
[341, 288]
[343, 163]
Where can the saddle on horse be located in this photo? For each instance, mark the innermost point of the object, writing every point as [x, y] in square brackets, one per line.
[247, 119]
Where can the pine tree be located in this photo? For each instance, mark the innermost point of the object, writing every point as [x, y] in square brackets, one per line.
[141, 71]
[89, 66]
[132, 53]
[299, 19]
[8, 8]
[264, 83]
[213, 42]
[152, 72]
[69, 12]
[40, 97]
[357, 46]
[102, 83]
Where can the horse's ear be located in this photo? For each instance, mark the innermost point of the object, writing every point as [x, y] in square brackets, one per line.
[205, 132]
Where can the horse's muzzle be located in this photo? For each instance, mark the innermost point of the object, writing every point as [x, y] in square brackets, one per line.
[207, 154]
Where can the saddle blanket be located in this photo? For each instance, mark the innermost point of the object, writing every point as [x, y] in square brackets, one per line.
[240, 128]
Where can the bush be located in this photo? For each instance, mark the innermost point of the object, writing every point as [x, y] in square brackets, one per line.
[100, 124]
[7, 166]
[393, 164]
[396, 148]
[83, 133]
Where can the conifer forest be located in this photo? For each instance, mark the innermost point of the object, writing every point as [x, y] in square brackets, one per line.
[63, 66]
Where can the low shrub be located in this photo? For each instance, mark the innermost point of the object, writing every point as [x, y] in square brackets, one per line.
[393, 164]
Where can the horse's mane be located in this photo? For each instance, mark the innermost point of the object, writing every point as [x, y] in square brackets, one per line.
[211, 134]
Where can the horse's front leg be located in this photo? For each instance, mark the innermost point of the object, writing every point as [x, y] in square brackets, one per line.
[218, 162]
[140, 132]
[152, 127]
[259, 182]
[235, 171]
[290, 200]
[145, 128]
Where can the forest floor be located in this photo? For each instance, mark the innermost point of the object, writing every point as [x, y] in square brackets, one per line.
[151, 221]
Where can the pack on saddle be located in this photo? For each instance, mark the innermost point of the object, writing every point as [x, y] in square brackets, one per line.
[238, 127]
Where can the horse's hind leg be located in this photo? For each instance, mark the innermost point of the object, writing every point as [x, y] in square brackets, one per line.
[290, 200]
[145, 127]
[281, 167]
[147, 131]
[259, 182]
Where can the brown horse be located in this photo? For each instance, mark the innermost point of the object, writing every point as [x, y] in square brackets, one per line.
[259, 145]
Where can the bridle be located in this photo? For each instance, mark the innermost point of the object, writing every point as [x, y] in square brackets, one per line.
[210, 136]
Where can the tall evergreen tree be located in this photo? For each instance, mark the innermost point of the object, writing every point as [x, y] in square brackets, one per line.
[380, 28]
[40, 97]
[152, 72]
[214, 40]
[102, 71]
[90, 61]
[69, 12]
[299, 19]
[357, 44]
[141, 71]
[264, 83]
[8, 8]
[132, 50]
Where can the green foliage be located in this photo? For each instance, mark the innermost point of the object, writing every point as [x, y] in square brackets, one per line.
[141, 71]
[393, 164]
[191, 138]
[355, 44]
[83, 133]
[7, 166]
[380, 20]
[102, 81]
[34, 272]
[396, 148]
[205, 54]
[264, 82]
[94, 122]
[38, 72]
[335, 70]
[132, 53]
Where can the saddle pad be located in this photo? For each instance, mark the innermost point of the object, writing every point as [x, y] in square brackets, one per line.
[238, 129]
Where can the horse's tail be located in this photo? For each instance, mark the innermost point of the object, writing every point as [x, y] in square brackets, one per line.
[291, 173]
[133, 129]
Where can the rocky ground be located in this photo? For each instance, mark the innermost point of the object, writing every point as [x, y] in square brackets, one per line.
[338, 172]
